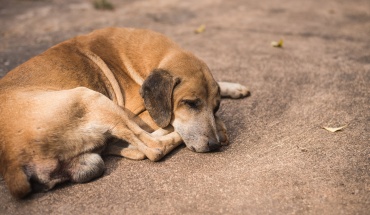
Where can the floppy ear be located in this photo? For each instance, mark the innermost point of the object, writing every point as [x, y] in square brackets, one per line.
[157, 94]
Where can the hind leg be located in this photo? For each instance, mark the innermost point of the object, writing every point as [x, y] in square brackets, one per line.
[86, 167]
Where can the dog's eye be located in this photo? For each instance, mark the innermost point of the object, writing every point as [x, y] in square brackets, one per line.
[194, 104]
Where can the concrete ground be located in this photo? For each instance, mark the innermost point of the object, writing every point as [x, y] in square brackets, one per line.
[280, 160]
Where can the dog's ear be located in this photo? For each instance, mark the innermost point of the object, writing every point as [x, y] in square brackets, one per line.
[157, 92]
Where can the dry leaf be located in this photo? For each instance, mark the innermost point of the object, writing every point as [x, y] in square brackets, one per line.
[200, 29]
[334, 129]
[277, 44]
[103, 5]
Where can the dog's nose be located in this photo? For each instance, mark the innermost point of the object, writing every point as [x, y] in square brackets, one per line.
[213, 145]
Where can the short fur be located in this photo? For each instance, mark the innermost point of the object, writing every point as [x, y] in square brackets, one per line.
[59, 109]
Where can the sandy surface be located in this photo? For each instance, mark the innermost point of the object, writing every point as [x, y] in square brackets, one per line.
[280, 160]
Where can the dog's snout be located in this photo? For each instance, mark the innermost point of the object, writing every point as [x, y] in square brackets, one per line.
[213, 145]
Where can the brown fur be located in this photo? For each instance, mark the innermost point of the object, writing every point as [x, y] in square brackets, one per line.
[59, 108]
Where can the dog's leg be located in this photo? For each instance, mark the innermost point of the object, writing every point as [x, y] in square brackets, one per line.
[130, 152]
[162, 131]
[109, 115]
[233, 90]
[86, 167]
[164, 139]
[168, 146]
[153, 147]
[124, 132]
[165, 145]
[171, 145]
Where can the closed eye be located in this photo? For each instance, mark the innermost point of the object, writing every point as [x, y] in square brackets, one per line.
[193, 104]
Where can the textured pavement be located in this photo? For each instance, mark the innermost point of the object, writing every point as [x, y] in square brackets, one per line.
[280, 160]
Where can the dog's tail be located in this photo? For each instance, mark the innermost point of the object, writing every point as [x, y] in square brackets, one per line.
[16, 181]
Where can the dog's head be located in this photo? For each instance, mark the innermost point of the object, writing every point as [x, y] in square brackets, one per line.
[187, 97]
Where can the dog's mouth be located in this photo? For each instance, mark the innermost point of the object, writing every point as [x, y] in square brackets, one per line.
[196, 141]
[210, 147]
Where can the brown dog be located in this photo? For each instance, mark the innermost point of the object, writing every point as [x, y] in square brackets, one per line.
[59, 109]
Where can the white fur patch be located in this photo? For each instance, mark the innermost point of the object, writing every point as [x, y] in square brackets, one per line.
[233, 90]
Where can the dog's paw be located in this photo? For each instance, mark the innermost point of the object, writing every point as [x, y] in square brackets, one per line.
[224, 139]
[154, 154]
[233, 90]
[222, 132]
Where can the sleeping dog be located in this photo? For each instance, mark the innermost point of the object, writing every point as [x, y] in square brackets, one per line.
[59, 110]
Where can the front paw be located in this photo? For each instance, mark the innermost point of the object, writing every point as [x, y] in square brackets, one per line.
[223, 137]
[238, 91]
[133, 154]
[222, 132]
[154, 154]
[233, 90]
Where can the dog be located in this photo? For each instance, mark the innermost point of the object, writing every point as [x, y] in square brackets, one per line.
[60, 109]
